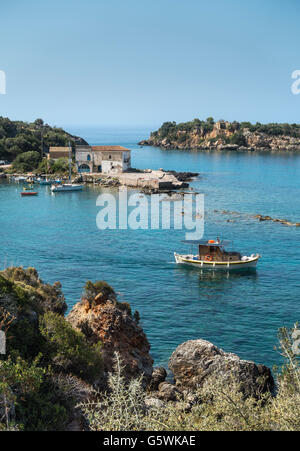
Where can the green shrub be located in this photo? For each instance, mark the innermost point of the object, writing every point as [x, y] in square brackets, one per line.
[32, 291]
[239, 139]
[27, 161]
[40, 410]
[68, 350]
[17, 379]
[92, 289]
[24, 338]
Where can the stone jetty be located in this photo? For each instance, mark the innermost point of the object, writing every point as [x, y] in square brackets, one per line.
[148, 179]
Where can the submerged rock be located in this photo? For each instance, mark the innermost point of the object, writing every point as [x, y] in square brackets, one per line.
[195, 361]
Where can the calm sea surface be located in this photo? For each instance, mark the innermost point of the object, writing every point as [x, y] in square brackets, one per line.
[57, 234]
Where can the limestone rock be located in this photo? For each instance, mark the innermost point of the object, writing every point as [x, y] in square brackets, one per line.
[217, 138]
[115, 327]
[167, 392]
[194, 361]
[159, 375]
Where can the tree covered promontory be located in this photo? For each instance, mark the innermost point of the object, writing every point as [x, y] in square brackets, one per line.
[221, 134]
[17, 137]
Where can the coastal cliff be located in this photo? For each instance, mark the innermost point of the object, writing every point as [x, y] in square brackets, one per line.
[92, 370]
[223, 135]
[100, 317]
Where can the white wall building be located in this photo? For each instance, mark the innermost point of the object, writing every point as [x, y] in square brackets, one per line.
[105, 159]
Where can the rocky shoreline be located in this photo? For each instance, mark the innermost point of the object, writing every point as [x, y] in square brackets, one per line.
[225, 136]
[147, 181]
[72, 360]
[191, 364]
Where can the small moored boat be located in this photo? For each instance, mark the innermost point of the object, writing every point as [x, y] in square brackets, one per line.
[66, 187]
[29, 193]
[212, 255]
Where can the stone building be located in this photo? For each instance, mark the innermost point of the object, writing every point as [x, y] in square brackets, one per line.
[105, 159]
[58, 152]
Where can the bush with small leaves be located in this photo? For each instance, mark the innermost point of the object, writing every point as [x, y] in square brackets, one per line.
[68, 350]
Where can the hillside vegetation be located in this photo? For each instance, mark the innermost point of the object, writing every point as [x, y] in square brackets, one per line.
[222, 135]
[17, 138]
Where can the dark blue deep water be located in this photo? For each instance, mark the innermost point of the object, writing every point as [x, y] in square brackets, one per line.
[241, 313]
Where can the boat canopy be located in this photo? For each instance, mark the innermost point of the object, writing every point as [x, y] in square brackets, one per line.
[219, 243]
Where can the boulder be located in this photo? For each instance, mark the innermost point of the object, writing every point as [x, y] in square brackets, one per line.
[195, 361]
[159, 375]
[167, 392]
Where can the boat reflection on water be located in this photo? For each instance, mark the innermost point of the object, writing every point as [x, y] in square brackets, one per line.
[216, 275]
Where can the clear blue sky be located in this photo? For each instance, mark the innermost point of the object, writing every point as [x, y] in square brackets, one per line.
[138, 62]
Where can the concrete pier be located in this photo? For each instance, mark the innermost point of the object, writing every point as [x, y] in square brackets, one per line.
[153, 180]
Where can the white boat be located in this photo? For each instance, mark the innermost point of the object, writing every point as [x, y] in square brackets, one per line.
[18, 179]
[66, 187]
[212, 255]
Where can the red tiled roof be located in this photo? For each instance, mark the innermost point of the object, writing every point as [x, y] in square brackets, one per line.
[109, 148]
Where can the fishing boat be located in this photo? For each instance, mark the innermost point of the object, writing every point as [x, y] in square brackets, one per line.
[66, 187]
[212, 255]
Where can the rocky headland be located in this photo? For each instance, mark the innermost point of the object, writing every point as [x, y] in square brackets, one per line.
[224, 135]
[18, 137]
[64, 359]
[100, 317]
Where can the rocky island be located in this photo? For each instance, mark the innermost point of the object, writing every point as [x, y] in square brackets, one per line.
[224, 135]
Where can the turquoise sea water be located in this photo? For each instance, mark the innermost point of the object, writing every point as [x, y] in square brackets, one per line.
[241, 313]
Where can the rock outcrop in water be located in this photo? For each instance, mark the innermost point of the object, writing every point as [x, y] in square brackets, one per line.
[261, 218]
[195, 361]
[223, 135]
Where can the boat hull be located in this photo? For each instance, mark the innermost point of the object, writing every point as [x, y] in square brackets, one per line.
[66, 188]
[219, 266]
[29, 193]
